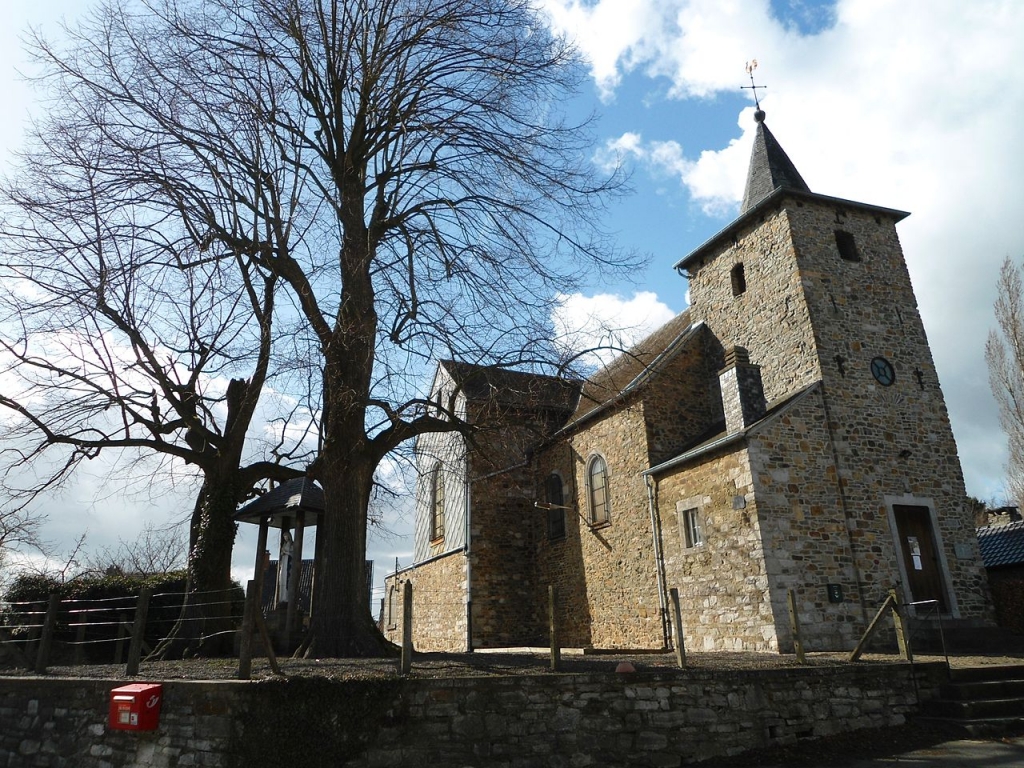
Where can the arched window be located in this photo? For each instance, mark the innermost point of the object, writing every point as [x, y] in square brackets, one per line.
[556, 511]
[597, 490]
[437, 504]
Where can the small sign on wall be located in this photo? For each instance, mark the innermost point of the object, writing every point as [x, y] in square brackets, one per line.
[835, 593]
[963, 550]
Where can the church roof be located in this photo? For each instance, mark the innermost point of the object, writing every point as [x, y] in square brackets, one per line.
[770, 177]
[770, 168]
[522, 388]
[631, 368]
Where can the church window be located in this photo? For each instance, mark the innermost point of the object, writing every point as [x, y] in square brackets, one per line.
[693, 528]
[739, 280]
[847, 246]
[437, 504]
[597, 490]
[556, 510]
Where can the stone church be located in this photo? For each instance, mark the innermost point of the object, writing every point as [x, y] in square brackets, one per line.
[786, 433]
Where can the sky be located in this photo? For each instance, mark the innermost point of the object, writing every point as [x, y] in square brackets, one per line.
[908, 104]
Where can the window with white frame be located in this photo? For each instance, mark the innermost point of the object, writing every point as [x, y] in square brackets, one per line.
[597, 490]
[437, 504]
[693, 528]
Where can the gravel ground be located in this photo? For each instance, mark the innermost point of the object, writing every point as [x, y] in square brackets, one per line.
[484, 663]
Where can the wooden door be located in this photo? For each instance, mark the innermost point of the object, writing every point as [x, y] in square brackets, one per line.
[917, 541]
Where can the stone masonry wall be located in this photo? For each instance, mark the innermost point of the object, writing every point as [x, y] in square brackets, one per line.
[533, 721]
[618, 558]
[504, 523]
[47, 722]
[678, 403]
[771, 319]
[559, 561]
[892, 442]
[439, 604]
[723, 586]
[808, 314]
[804, 533]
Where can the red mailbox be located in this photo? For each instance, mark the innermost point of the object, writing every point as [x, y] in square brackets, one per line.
[135, 707]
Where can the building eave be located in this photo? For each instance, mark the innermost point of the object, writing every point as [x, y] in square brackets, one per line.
[775, 199]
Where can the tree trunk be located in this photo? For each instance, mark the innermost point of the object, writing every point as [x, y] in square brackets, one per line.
[342, 625]
[205, 625]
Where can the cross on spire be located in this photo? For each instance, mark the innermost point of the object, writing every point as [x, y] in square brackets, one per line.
[751, 66]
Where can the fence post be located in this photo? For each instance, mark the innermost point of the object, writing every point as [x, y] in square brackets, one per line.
[902, 640]
[245, 643]
[556, 651]
[406, 627]
[83, 619]
[677, 628]
[138, 630]
[46, 639]
[794, 626]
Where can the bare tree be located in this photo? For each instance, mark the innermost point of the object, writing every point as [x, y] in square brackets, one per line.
[404, 169]
[158, 549]
[128, 331]
[1004, 353]
[19, 530]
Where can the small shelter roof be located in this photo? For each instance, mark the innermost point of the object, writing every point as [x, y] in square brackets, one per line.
[285, 501]
[1002, 544]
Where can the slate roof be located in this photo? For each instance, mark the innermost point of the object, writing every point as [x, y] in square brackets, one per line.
[770, 168]
[1002, 544]
[628, 371]
[532, 390]
[285, 501]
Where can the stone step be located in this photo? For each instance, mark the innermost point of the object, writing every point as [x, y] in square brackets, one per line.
[993, 672]
[990, 726]
[960, 637]
[983, 689]
[977, 709]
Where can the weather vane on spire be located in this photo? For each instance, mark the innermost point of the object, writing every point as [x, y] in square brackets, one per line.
[751, 66]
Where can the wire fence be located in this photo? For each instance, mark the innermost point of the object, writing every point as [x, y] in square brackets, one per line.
[123, 630]
[101, 630]
[740, 611]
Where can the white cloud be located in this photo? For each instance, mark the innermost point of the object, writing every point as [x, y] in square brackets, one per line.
[600, 327]
[911, 105]
[609, 34]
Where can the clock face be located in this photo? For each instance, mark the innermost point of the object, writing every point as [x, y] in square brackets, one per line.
[883, 371]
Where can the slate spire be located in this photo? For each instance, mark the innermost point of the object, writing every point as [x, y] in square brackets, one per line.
[770, 168]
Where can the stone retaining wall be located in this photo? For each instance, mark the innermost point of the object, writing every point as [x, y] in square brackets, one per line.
[656, 719]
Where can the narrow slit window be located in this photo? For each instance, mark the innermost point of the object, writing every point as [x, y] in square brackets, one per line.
[437, 505]
[739, 280]
[556, 506]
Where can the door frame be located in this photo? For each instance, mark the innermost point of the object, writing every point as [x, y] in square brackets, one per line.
[944, 572]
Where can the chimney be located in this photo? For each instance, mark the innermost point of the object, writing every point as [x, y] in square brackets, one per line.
[742, 391]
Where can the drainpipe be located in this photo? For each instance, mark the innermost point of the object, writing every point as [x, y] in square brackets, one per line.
[659, 563]
[469, 554]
